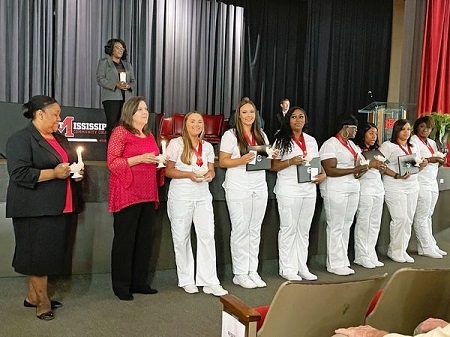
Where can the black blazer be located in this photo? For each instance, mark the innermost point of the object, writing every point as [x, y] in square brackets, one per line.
[28, 153]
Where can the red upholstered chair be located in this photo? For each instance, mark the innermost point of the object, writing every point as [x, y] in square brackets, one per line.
[213, 128]
[166, 128]
[177, 125]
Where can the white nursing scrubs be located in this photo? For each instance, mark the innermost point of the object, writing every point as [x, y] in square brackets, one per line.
[368, 216]
[340, 198]
[401, 198]
[296, 205]
[428, 196]
[246, 195]
[189, 202]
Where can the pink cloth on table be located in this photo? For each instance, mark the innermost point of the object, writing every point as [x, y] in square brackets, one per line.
[65, 159]
[135, 184]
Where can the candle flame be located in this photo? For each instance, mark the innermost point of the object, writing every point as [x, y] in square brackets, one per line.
[79, 149]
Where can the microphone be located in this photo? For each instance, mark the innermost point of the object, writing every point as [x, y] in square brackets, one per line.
[370, 94]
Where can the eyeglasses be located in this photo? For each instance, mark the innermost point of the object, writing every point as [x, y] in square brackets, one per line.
[351, 127]
[119, 48]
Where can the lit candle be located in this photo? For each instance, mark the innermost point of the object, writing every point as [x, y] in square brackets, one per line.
[123, 76]
[163, 146]
[79, 150]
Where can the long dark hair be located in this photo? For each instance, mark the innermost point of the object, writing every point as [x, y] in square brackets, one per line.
[360, 135]
[398, 126]
[110, 46]
[239, 130]
[283, 138]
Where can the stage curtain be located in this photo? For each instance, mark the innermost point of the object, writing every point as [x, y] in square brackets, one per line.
[26, 49]
[187, 55]
[435, 77]
[324, 55]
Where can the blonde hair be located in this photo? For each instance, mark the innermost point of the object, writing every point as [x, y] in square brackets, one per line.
[186, 155]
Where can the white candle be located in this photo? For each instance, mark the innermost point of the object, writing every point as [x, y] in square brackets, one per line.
[123, 76]
[79, 150]
[163, 146]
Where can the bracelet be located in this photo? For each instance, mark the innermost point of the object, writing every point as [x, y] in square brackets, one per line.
[396, 176]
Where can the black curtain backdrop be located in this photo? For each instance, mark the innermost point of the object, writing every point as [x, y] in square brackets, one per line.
[324, 55]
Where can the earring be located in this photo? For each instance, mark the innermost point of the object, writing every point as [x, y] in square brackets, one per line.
[348, 133]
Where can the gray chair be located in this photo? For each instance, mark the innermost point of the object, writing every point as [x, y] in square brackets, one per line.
[308, 309]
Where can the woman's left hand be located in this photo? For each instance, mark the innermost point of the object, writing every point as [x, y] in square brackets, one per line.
[209, 176]
[319, 179]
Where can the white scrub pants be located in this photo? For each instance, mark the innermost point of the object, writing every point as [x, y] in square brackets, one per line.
[367, 227]
[340, 209]
[423, 225]
[181, 215]
[296, 214]
[401, 208]
[247, 210]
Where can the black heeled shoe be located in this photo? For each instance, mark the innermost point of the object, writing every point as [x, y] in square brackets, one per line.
[54, 304]
[46, 316]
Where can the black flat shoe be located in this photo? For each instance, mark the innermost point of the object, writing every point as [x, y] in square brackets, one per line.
[46, 316]
[54, 304]
[147, 290]
[125, 296]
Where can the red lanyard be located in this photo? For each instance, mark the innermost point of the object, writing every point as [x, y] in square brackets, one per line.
[198, 154]
[301, 144]
[428, 145]
[347, 145]
[403, 149]
[250, 141]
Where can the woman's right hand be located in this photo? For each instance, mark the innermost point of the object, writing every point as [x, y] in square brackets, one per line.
[122, 86]
[62, 171]
[149, 158]
[247, 158]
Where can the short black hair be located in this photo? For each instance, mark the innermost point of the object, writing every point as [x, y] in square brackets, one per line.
[110, 46]
[36, 103]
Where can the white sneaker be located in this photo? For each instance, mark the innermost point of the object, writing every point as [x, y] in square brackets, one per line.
[378, 263]
[440, 251]
[244, 281]
[399, 259]
[344, 271]
[433, 254]
[254, 276]
[307, 275]
[215, 290]
[408, 258]
[292, 277]
[365, 264]
[191, 289]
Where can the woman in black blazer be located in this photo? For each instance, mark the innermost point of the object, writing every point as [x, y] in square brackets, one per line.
[42, 200]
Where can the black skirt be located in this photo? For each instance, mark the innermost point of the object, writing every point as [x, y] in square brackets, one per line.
[44, 244]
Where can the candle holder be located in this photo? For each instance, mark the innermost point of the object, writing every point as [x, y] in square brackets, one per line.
[307, 160]
[75, 168]
[161, 159]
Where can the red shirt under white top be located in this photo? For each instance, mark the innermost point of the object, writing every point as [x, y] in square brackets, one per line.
[130, 185]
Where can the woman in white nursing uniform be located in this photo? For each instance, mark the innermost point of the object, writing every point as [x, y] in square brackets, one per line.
[401, 191]
[371, 197]
[191, 167]
[429, 190]
[246, 194]
[340, 192]
[296, 201]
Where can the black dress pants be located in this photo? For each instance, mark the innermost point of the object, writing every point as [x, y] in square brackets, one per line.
[132, 247]
[113, 110]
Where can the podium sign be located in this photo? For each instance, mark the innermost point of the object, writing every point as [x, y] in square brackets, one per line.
[384, 115]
